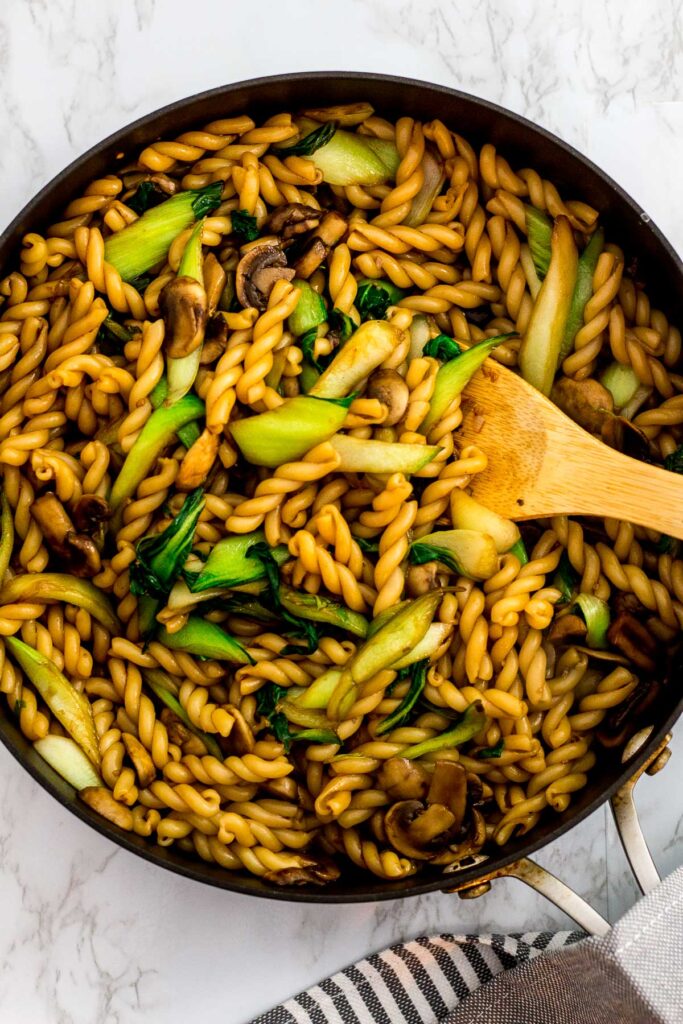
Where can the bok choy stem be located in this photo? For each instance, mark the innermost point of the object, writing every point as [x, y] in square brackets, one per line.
[454, 376]
[49, 587]
[6, 534]
[205, 639]
[182, 371]
[472, 722]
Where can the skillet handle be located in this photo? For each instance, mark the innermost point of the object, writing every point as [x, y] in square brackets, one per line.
[630, 833]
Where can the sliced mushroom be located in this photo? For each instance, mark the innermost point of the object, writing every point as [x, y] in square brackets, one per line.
[178, 732]
[631, 637]
[214, 282]
[241, 737]
[626, 437]
[315, 870]
[567, 627]
[89, 513]
[417, 830]
[331, 229]
[422, 579]
[389, 388]
[142, 762]
[197, 462]
[183, 304]
[78, 551]
[469, 846]
[449, 787]
[587, 402]
[293, 219]
[101, 800]
[257, 272]
[626, 718]
[402, 779]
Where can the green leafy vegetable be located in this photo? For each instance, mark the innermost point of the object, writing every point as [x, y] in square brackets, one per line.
[68, 760]
[490, 752]
[469, 514]
[48, 587]
[300, 627]
[597, 617]
[583, 289]
[466, 552]
[539, 231]
[309, 143]
[188, 434]
[307, 343]
[205, 639]
[284, 434]
[519, 550]
[137, 248]
[351, 159]
[674, 461]
[472, 722]
[244, 225]
[269, 700]
[309, 312]
[157, 433]
[112, 330]
[6, 535]
[443, 348]
[342, 324]
[146, 195]
[565, 580]
[71, 708]
[370, 345]
[374, 298]
[417, 685]
[160, 558]
[231, 564]
[454, 376]
[318, 608]
[360, 456]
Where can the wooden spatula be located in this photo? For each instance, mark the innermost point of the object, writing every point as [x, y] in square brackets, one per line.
[542, 464]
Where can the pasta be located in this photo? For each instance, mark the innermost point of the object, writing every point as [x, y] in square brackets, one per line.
[236, 532]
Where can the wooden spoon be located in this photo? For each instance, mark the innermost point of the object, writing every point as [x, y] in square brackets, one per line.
[540, 463]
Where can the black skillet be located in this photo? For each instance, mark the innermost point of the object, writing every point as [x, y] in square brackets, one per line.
[524, 145]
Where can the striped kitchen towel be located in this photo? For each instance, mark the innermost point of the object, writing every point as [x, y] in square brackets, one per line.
[417, 982]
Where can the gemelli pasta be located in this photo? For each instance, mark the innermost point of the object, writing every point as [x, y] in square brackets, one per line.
[248, 607]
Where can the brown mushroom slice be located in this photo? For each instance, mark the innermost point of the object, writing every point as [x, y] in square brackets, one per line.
[197, 462]
[389, 388]
[241, 736]
[631, 637]
[422, 579]
[416, 830]
[257, 271]
[178, 732]
[587, 402]
[90, 512]
[101, 800]
[78, 551]
[469, 846]
[626, 718]
[402, 779]
[331, 230]
[183, 304]
[624, 436]
[294, 219]
[566, 628]
[315, 870]
[449, 788]
[214, 282]
[142, 762]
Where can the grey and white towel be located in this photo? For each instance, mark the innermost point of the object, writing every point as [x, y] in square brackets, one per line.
[632, 976]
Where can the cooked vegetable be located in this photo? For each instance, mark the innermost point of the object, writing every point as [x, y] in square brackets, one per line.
[146, 196]
[359, 456]
[309, 312]
[157, 433]
[372, 343]
[621, 382]
[188, 434]
[454, 376]
[288, 432]
[71, 708]
[256, 274]
[420, 333]
[542, 342]
[185, 308]
[49, 587]
[539, 232]
[426, 647]
[342, 324]
[472, 722]
[244, 225]
[78, 551]
[520, 552]
[466, 552]
[205, 639]
[395, 639]
[486, 753]
[674, 461]
[137, 248]
[386, 151]
[322, 609]
[597, 616]
[349, 159]
[374, 298]
[68, 760]
[161, 557]
[468, 514]
[583, 289]
[230, 565]
[389, 388]
[397, 717]
[6, 535]
[163, 687]
[443, 348]
[308, 144]
[272, 704]
[434, 177]
[318, 694]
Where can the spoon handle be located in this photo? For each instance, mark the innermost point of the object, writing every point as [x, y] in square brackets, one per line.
[607, 483]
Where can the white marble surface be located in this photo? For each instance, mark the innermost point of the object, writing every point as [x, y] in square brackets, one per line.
[88, 933]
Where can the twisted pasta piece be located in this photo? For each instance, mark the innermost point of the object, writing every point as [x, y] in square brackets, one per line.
[394, 542]
[123, 296]
[267, 334]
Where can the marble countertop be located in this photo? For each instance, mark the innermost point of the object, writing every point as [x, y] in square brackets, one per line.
[90, 934]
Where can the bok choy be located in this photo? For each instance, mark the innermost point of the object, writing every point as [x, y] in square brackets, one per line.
[466, 552]
[205, 639]
[184, 305]
[454, 376]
